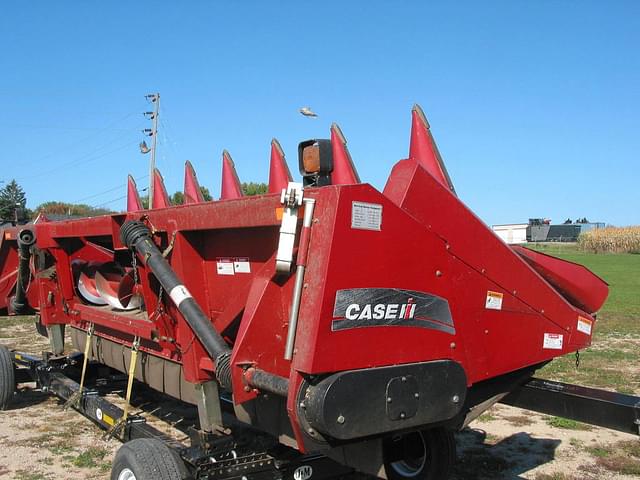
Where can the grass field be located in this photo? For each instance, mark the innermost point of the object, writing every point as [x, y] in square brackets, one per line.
[613, 361]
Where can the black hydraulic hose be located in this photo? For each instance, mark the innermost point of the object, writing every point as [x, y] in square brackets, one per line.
[26, 238]
[137, 236]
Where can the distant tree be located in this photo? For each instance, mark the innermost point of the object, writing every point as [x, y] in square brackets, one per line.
[568, 221]
[206, 194]
[177, 198]
[76, 210]
[582, 220]
[12, 201]
[252, 188]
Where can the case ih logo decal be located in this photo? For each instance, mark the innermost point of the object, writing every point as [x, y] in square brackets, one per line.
[369, 307]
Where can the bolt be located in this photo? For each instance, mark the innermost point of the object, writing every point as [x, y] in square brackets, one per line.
[404, 379]
[455, 399]
[438, 273]
[486, 332]
[515, 292]
[542, 311]
[483, 271]
[448, 247]
[402, 415]
[306, 285]
[340, 420]
[416, 395]
[453, 345]
[303, 405]
[311, 431]
[389, 400]
[247, 388]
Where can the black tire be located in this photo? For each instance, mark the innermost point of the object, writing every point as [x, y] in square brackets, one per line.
[425, 455]
[147, 459]
[7, 377]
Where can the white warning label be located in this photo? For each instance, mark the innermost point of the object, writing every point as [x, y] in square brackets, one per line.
[242, 265]
[366, 216]
[584, 325]
[224, 266]
[552, 341]
[494, 300]
[178, 294]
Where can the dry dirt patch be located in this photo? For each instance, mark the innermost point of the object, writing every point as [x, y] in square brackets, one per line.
[40, 441]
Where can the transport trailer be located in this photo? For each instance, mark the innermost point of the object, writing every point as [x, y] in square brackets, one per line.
[321, 328]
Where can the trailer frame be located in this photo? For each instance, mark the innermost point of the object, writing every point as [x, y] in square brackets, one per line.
[245, 454]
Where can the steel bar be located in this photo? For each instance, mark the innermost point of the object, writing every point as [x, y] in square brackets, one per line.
[617, 411]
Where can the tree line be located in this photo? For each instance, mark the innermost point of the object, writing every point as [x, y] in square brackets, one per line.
[13, 203]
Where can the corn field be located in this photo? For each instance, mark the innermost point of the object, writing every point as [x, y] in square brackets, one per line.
[611, 240]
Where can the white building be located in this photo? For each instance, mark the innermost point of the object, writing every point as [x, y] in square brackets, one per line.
[512, 233]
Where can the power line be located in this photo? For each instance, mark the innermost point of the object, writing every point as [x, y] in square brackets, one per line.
[57, 127]
[106, 191]
[84, 139]
[116, 199]
[81, 160]
[110, 201]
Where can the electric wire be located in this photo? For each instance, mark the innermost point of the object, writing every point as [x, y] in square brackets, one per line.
[116, 199]
[107, 191]
[79, 161]
[82, 140]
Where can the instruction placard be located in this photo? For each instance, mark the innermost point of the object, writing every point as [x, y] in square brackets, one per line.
[552, 341]
[366, 216]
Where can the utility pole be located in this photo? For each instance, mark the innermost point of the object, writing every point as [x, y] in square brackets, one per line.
[152, 132]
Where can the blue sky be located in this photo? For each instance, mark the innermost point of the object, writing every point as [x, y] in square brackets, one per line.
[534, 104]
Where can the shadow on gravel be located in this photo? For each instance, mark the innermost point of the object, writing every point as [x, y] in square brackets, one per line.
[506, 459]
[27, 397]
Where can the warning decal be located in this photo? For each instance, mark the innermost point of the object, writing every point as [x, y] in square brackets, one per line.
[584, 325]
[552, 341]
[224, 266]
[242, 265]
[494, 300]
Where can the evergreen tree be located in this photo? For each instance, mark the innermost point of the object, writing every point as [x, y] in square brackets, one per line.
[11, 197]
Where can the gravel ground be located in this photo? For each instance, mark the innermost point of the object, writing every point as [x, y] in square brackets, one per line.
[40, 440]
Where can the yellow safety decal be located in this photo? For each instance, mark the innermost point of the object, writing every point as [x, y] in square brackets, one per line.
[18, 356]
[108, 420]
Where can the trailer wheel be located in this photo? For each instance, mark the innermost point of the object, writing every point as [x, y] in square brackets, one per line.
[425, 455]
[7, 377]
[147, 459]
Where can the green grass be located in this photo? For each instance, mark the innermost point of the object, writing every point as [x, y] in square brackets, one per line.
[30, 475]
[608, 364]
[567, 424]
[622, 457]
[620, 270]
[89, 458]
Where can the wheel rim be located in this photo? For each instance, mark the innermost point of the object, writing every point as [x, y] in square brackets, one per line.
[415, 458]
[126, 474]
